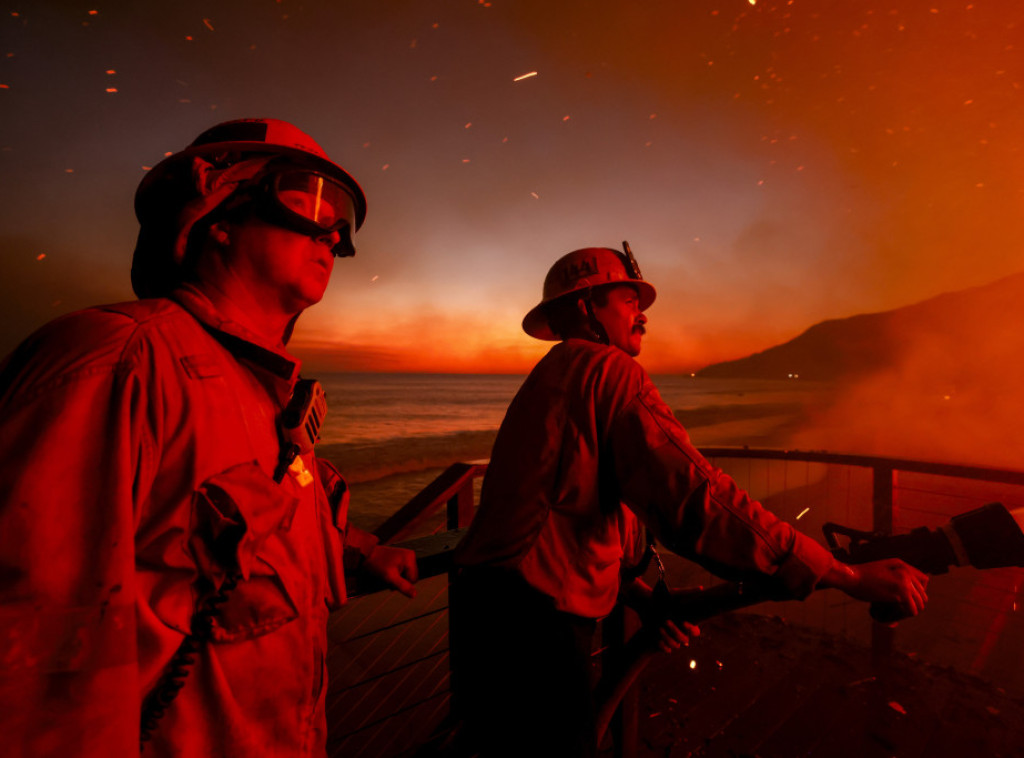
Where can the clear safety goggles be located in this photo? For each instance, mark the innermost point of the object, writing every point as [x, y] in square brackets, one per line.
[308, 202]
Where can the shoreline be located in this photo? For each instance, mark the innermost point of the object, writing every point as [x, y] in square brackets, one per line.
[383, 476]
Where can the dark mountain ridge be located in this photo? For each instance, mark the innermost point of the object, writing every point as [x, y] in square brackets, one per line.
[951, 335]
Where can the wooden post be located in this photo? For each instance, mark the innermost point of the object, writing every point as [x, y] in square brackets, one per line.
[460, 507]
[882, 504]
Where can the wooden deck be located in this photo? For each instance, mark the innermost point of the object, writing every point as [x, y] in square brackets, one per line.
[759, 687]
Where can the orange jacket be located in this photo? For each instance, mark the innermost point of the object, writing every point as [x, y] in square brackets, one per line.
[588, 446]
[137, 445]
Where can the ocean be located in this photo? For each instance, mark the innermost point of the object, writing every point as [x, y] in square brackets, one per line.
[391, 434]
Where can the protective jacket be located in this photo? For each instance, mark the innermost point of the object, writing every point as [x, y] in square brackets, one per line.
[587, 451]
[137, 448]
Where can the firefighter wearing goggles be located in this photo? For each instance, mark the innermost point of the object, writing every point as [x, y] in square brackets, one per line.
[263, 166]
[172, 542]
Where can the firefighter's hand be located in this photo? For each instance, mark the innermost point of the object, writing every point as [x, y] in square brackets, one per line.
[396, 566]
[671, 637]
[886, 581]
[664, 632]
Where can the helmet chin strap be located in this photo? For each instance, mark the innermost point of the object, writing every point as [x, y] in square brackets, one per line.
[597, 330]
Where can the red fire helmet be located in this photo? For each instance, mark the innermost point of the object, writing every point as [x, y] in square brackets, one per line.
[582, 270]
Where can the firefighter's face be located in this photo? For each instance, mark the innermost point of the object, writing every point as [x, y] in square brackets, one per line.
[283, 268]
[622, 319]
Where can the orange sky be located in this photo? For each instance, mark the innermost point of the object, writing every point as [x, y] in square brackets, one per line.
[772, 165]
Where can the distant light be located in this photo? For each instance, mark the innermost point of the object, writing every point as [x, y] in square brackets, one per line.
[535, 196]
[468, 124]
[111, 89]
[94, 13]
[692, 374]
[40, 256]
[752, 2]
[375, 278]
[565, 118]
[208, 24]
[802, 513]
[693, 664]
[111, 72]
[524, 76]
[385, 167]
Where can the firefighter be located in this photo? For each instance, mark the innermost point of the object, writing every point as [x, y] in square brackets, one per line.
[165, 528]
[587, 456]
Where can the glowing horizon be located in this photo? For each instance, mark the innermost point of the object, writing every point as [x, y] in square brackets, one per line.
[772, 164]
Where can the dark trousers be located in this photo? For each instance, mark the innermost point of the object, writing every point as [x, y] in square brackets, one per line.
[520, 670]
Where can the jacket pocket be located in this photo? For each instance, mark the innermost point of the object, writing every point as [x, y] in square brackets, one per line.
[236, 516]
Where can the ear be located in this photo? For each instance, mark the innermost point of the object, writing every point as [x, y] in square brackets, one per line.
[581, 306]
[220, 234]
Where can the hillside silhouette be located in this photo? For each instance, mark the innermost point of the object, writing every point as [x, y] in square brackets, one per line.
[952, 332]
[938, 380]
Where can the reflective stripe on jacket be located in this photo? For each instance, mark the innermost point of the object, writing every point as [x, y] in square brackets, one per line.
[586, 448]
[137, 446]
